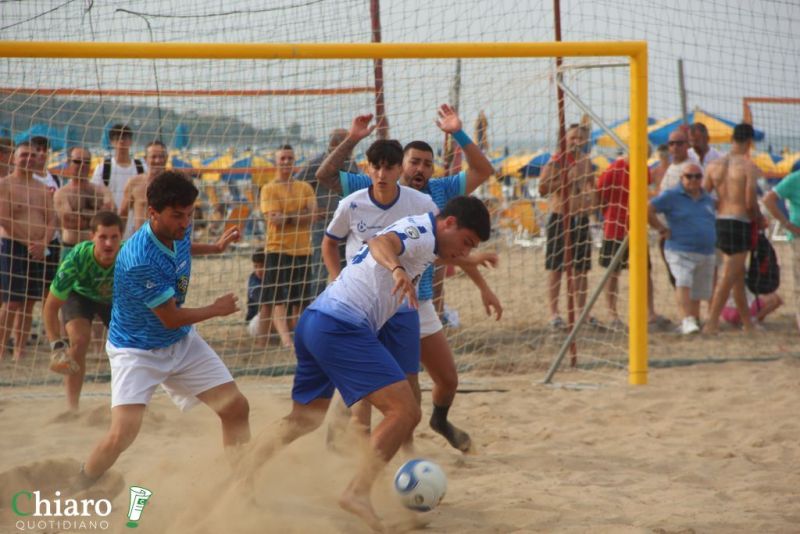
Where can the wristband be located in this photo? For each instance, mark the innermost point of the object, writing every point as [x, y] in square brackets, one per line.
[398, 267]
[59, 344]
[462, 138]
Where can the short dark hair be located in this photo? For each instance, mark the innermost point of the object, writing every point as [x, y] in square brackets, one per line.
[157, 142]
[119, 130]
[698, 127]
[743, 132]
[73, 148]
[40, 141]
[285, 147]
[171, 189]
[22, 144]
[418, 145]
[471, 213]
[106, 218]
[259, 257]
[388, 151]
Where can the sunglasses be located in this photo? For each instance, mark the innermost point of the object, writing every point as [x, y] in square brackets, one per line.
[674, 143]
[82, 161]
[694, 176]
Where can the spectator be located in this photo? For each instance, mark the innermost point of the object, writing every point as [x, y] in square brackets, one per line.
[41, 147]
[28, 229]
[689, 242]
[759, 305]
[569, 177]
[6, 156]
[788, 190]
[657, 174]
[678, 145]
[116, 170]
[77, 202]
[613, 188]
[134, 196]
[701, 151]
[327, 201]
[288, 207]
[734, 179]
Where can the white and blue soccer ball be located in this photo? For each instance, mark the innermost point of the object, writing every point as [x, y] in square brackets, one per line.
[421, 484]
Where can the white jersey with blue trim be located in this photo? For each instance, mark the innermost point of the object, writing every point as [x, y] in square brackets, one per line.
[360, 216]
[363, 291]
[146, 275]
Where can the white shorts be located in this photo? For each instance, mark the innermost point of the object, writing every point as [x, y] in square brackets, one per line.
[693, 270]
[184, 369]
[429, 322]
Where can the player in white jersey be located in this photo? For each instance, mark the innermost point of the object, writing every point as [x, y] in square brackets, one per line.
[337, 345]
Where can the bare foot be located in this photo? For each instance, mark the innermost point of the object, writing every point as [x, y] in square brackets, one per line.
[360, 506]
[710, 330]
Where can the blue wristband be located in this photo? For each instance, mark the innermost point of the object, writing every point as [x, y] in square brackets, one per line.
[462, 138]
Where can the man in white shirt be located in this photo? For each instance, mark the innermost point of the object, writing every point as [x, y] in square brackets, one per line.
[701, 151]
[115, 171]
[679, 153]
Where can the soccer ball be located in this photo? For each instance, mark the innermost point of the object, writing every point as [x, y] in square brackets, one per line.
[421, 484]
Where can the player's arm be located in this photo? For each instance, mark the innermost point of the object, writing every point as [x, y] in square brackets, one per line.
[386, 250]
[328, 172]
[231, 235]
[330, 256]
[490, 301]
[480, 168]
[172, 316]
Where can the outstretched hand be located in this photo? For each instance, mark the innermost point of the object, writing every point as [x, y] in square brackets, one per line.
[491, 304]
[226, 305]
[448, 120]
[231, 235]
[483, 259]
[361, 127]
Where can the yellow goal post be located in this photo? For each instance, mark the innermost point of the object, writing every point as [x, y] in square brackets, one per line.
[636, 51]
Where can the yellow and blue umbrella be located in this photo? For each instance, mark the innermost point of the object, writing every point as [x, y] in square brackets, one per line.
[720, 130]
[621, 127]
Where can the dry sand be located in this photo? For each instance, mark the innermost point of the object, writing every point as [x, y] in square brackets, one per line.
[704, 448]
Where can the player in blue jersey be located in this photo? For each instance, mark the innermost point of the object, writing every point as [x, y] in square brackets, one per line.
[337, 343]
[151, 339]
[436, 356]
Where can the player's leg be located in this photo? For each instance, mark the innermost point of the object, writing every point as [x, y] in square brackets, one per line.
[739, 269]
[126, 420]
[79, 333]
[400, 415]
[280, 308]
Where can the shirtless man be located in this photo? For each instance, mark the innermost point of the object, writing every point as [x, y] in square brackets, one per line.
[78, 201]
[568, 178]
[135, 194]
[734, 179]
[29, 221]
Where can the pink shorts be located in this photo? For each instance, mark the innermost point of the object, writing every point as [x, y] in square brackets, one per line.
[731, 314]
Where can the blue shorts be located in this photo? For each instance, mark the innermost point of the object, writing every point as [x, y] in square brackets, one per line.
[400, 336]
[334, 354]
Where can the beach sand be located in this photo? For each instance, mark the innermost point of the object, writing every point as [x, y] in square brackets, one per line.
[701, 448]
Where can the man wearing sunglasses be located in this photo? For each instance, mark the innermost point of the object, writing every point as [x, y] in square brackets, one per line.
[690, 240]
[678, 146]
[79, 201]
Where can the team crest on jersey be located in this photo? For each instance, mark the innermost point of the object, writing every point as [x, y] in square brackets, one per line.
[412, 232]
[353, 205]
[183, 284]
[362, 226]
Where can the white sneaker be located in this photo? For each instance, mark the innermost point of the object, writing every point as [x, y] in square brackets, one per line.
[689, 326]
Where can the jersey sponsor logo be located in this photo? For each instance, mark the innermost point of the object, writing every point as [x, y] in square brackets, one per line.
[361, 226]
[353, 206]
[412, 232]
[183, 284]
[149, 284]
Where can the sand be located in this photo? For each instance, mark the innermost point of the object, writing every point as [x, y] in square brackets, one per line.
[702, 448]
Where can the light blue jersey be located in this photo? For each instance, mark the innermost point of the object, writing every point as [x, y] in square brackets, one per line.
[146, 275]
[441, 190]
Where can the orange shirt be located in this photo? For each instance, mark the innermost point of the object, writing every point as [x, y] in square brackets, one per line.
[290, 198]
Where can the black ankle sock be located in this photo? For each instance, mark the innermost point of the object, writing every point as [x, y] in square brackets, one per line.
[440, 414]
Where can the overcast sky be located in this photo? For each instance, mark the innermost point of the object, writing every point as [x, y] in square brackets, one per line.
[731, 48]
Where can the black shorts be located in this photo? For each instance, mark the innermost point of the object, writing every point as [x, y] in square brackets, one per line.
[78, 306]
[287, 280]
[609, 250]
[734, 236]
[580, 241]
[21, 278]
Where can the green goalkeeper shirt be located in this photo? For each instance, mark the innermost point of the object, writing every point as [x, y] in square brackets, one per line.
[80, 272]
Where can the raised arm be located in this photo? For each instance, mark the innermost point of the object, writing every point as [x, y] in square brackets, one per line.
[231, 235]
[480, 168]
[328, 172]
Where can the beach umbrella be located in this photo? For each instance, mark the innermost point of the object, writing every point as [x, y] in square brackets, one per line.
[720, 130]
[621, 127]
[181, 139]
[223, 161]
[788, 164]
[766, 163]
[55, 136]
[511, 165]
[533, 168]
[264, 174]
[600, 163]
